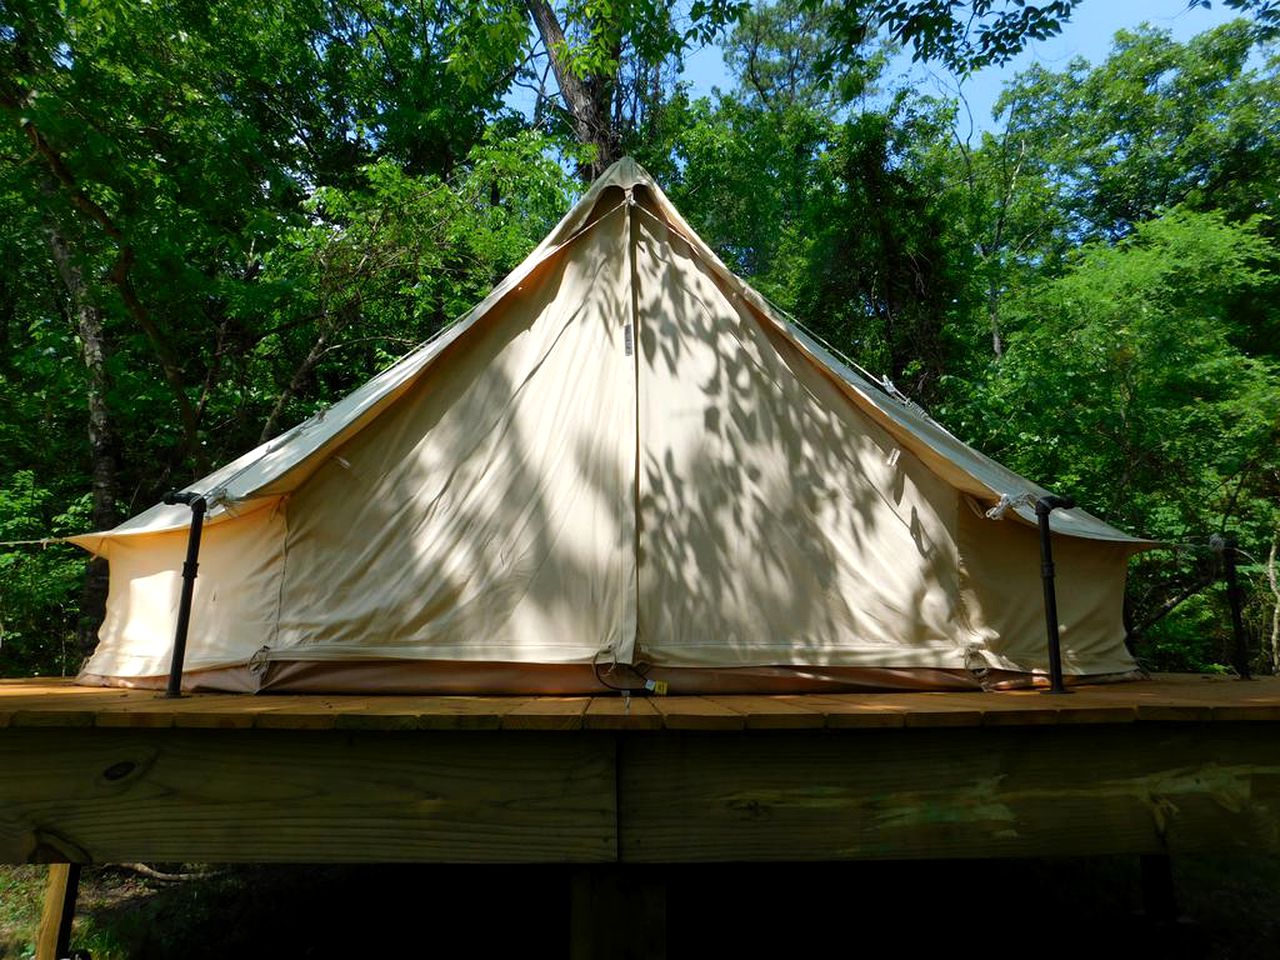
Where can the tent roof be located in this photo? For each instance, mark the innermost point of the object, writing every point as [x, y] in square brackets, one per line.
[284, 463]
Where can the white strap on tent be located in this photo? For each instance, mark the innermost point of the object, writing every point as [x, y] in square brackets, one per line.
[889, 387]
[1007, 503]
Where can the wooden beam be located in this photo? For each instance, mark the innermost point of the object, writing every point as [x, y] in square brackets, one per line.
[53, 937]
[305, 796]
[720, 793]
[697, 713]
[967, 792]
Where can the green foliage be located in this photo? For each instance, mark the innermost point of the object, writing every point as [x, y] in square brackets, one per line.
[39, 585]
[1125, 383]
[746, 178]
[782, 54]
[888, 279]
[1159, 123]
[381, 267]
[1131, 339]
[1191, 642]
[980, 33]
[598, 32]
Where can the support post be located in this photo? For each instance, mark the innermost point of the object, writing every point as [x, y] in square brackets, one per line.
[617, 913]
[197, 504]
[53, 937]
[1044, 507]
[1159, 901]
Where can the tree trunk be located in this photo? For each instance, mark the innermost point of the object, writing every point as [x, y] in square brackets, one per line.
[1273, 581]
[587, 104]
[103, 447]
[993, 317]
[57, 176]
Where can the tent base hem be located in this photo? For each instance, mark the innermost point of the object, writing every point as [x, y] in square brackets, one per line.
[551, 679]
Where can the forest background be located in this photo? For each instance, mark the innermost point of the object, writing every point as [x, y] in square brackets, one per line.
[216, 218]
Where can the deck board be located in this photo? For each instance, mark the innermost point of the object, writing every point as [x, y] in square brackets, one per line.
[622, 713]
[1167, 698]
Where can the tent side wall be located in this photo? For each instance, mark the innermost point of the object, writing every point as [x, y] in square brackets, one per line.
[234, 604]
[1004, 598]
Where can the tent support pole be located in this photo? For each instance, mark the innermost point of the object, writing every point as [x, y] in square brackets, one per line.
[1044, 507]
[197, 504]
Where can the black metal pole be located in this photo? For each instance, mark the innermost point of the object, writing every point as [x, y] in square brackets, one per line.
[1044, 507]
[197, 504]
[1235, 601]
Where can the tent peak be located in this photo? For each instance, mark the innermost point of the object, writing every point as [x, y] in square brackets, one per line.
[625, 173]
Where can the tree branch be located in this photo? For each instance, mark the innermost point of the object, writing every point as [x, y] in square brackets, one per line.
[120, 273]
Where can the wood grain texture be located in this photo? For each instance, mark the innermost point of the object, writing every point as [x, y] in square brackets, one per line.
[648, 795]
[1063, 790]
[547, 713]
[774, 712]
[53, 936]
[619, 713]
[854, 713]
[1166, 699]
[697, 713]
[303, 796]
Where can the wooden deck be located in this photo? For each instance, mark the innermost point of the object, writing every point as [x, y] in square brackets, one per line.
[1177, 698]
[1177, 763]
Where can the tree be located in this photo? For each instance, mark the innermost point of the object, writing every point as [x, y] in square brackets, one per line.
[1126, 385]
[1157, 124]
[165, 150]
[887, 280]
[386, 265]
[780, 48]
[781, 54]
[614, 65]
[964, 37]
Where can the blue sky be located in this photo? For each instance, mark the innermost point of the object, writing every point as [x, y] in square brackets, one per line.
[1087, 35]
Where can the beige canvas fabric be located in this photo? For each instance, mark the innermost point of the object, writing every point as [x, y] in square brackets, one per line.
[622, 455]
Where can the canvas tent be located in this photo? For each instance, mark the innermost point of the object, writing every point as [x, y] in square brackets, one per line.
[623, 463]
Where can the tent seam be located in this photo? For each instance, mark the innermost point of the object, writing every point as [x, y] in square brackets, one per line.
[284, 572]
[631, 616]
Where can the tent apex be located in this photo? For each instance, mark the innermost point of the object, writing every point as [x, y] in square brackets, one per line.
[625, 173]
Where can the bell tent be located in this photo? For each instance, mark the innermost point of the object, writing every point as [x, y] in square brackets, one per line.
[622, 465]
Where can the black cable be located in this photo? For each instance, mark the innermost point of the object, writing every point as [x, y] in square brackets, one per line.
[595, 665]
